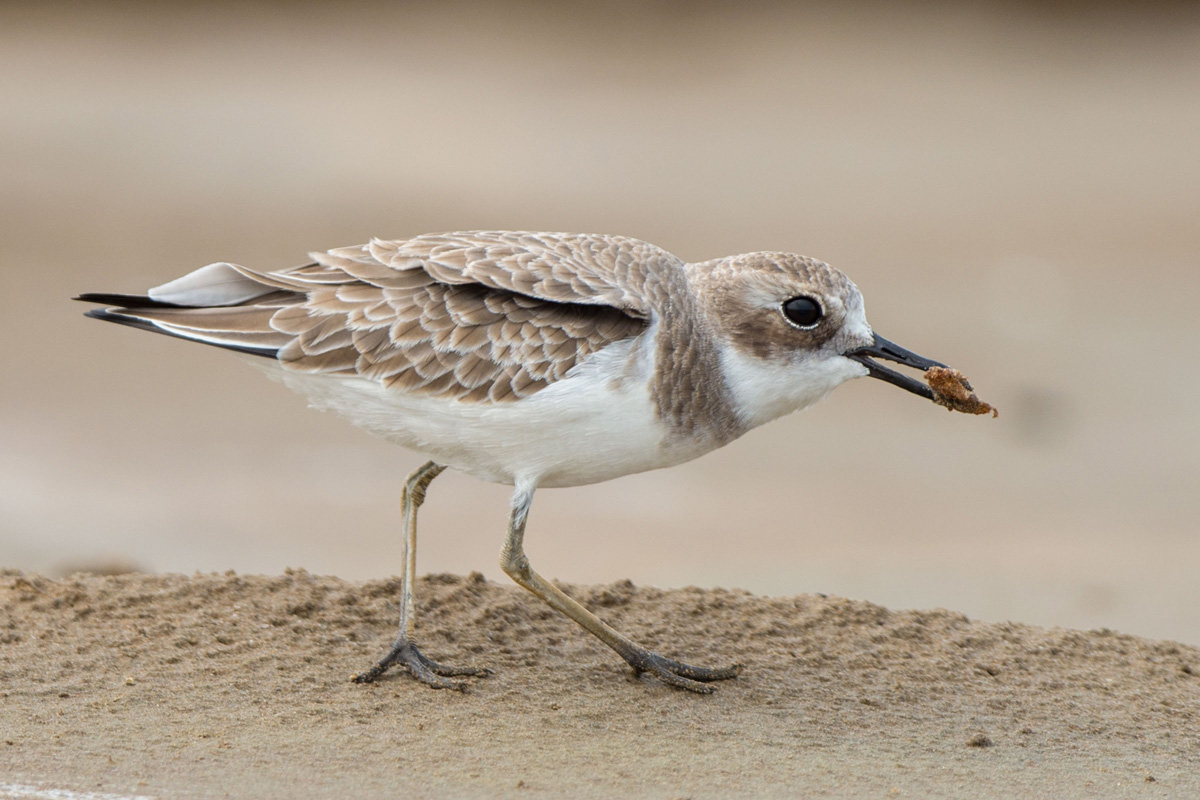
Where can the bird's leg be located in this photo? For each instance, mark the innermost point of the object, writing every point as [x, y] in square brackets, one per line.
[404, 650]
[514, 562]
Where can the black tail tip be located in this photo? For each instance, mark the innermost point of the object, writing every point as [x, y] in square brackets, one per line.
[124, 300]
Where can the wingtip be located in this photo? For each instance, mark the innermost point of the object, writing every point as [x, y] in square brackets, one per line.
[123, 300]
[108, 315]
[129, 317]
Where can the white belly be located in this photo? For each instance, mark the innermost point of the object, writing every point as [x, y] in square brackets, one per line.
[596, 424]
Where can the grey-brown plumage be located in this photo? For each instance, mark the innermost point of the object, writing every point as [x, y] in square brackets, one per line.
[471, 316]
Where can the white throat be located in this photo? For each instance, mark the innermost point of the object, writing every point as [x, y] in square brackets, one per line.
[766, 390]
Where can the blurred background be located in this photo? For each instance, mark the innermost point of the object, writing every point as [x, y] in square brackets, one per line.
[1014, 186]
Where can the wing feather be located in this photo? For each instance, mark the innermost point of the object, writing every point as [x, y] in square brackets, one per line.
[478, 316]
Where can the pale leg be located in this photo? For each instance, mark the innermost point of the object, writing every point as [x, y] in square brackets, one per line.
[514, 562]
[404, 650]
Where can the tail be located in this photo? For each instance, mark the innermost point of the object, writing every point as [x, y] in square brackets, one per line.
[222, 305]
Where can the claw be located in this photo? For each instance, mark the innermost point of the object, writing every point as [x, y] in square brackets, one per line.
[678, 674]
[426, 670]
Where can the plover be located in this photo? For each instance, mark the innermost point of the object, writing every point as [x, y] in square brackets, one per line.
[535, 360]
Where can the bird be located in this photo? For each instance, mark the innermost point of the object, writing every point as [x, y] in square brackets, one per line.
[535, 360]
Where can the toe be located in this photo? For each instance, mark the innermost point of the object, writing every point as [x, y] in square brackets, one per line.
[681, 675]
[428, 677]
[455, 672]
[703, 673]
[429, 672]
[671, 679]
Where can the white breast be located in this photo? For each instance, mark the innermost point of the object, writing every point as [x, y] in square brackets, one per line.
[595, 424]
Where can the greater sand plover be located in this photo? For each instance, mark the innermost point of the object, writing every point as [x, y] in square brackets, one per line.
[536, 360]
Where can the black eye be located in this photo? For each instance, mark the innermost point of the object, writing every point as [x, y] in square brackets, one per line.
[803, 312]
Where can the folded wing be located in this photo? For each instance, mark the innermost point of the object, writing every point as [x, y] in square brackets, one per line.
[477, 316]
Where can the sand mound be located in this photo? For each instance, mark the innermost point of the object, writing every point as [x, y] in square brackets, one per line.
[178, 686]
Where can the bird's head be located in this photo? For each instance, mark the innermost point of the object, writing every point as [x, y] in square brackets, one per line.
[790, 330]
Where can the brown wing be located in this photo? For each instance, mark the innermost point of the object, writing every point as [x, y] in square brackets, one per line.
[473, 316]
[562, 267]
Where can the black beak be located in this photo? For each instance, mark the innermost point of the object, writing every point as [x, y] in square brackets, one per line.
[882, 348]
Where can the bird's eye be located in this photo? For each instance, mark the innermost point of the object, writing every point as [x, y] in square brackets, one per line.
[803, 312]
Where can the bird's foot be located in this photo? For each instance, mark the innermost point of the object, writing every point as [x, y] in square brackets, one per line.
[423, 669]
[680, 675]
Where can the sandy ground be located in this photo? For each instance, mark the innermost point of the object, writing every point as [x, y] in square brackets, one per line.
[230, 685]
